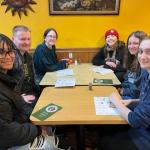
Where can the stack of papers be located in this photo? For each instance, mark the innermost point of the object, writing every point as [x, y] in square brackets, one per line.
[65, 82]
[65, 72]
[102, 70]
[102, 106]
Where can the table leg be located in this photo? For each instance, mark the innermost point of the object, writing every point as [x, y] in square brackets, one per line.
[80, 137]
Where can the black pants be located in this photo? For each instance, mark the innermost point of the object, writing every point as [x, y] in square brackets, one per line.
[119, 141]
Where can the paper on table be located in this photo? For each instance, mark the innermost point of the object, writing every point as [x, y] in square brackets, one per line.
[65, 72]
[102, 70]
[65, 82]
[102, 106]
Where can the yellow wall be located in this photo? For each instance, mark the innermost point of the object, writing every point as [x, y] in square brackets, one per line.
[79, 31]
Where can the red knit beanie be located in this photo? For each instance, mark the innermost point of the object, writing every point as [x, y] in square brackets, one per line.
[112, 32]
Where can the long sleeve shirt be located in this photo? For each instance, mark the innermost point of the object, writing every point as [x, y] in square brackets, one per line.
[139, 118]
[45, 60]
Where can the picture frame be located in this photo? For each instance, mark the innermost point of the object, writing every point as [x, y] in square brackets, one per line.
[84, 7]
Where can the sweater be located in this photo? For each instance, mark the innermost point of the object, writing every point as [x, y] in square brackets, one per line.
[45, 60]
[99, 59]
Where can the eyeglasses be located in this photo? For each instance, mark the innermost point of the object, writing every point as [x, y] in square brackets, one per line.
[11, 53]
[52, 36]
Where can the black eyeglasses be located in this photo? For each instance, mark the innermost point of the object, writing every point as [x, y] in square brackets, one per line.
[11, 53]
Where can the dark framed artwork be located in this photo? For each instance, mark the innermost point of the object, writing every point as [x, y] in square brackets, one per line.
[87, 7]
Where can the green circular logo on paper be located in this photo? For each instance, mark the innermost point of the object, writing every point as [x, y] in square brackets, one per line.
[51, 108]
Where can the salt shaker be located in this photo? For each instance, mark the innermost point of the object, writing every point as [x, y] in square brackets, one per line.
[75, 62]
[90, 86]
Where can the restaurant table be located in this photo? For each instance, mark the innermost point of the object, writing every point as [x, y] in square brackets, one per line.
[77, 107]
[83, 74]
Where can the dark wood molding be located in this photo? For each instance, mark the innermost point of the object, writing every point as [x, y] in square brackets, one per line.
[83, 55]
[77, 50]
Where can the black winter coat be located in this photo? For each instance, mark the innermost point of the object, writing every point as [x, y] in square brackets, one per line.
[99, 59]
[15, 129]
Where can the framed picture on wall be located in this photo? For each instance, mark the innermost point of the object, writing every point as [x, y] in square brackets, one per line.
[87, 7]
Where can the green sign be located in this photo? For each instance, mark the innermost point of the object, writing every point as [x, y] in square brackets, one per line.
[46, 111]
[103, 81]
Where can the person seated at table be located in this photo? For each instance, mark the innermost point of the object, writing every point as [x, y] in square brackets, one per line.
[137, 116]
[45, 58]
[15, 129]
[23, 69]
[111, 54]
[130, 86]
[17, 133]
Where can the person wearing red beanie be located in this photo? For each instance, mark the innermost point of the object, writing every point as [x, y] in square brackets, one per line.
[112, 32]
[111, 55]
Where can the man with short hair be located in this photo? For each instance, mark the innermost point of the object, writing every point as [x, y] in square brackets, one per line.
[23, 67]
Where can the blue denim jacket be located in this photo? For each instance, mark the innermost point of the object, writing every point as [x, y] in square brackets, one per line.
[139, 118]
[131, 85]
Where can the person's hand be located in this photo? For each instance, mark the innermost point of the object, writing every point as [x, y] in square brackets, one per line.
[46, 130]
[114, 98]
[111, 64]
[67, 61]
[28, 98]
[128, 101]
[70, 61]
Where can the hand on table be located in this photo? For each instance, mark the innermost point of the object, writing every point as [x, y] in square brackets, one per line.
[111, 64]
[115, 99]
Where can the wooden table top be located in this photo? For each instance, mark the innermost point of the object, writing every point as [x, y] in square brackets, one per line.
[77, 106]
[83, 74]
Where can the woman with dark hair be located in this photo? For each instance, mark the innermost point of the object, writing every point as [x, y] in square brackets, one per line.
[130, 86]
[15, 129]
[45, 58]
[137, 137]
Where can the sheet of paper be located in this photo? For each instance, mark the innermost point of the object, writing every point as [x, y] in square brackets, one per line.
[102, 106]
[65, 82]
[65, 72]
[102, 70]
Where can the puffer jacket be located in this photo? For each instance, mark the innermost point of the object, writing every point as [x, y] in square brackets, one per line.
[15, 128]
